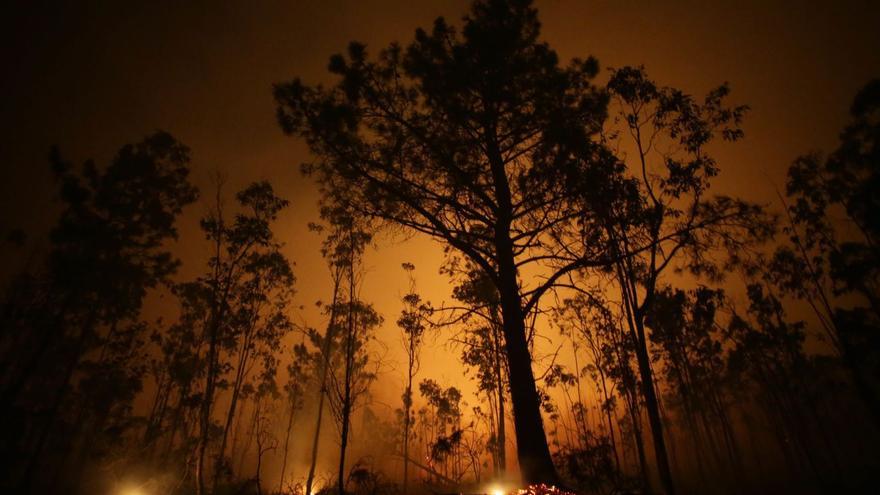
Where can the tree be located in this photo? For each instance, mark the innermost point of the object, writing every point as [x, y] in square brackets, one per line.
[346, 239]
[659, 213]
[460, 137]
[828, 259]
[412, 321]
[257, 323]
[107, 250]
[244, 253]
[768, 352]
[325, 344]
[297, 373]
[601, 327]
[685, 332]
[483, 348]
[443, 419]
[354, 377]
[586, 317]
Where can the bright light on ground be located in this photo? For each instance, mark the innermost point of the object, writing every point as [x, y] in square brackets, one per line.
[496, 490]
[131, 490]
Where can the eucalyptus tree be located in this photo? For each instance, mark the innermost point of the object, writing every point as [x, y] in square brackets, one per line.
[298, 371]
[585, 317]
[177, 367]
[660, 216]
[322, 358]
[460, 136]
[244, 252]
[443, 419]
[482, 343]
[107, 250]
[345, 361]
[413, 323]
[686, 333]
[351, 381]
[832, 260]
[257, 322]
[768, 357]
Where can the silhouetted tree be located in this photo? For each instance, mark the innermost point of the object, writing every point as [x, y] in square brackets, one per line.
[482, 344]
[297, 377]
[347, 358]
[585, 317]
[412, 321]
[327, 349]
[460, 136]
[685, 332]
[768, 352]
[244, 256]
[659, 216]
[444, 421]
[833, 254]
[107, 250]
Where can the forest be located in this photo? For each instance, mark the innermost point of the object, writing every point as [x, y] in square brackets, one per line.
[604, 317]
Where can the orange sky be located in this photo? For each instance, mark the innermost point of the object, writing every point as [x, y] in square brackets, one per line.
[92, 78]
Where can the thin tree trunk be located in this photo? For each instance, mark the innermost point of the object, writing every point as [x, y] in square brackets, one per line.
[608, 417]
[407, 423]
[325, 366]
[205, 413]
[286, 444]
[653, 409]
[499, 380]
[349, 365]
[240, 374]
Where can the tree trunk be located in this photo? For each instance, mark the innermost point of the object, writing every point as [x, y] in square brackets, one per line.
[240, 373]
[205, 413]
[349, 375]
[325, 356]
[343, 445]
[287, 443]
[536, 465]
[635, 418]
[653, 409]
[608, 418]
[499, 378]
[533, 453]
[407, 409]
[311, 478]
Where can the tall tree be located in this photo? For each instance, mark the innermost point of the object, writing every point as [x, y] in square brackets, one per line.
[344, 244]
[459, 136]
[295, 388]
[257, 322]
[684, 330]
[660, 214]
[107, 250]
[352, 377]
[412, 321]
[241, 250]
[483, 348]
[833, 253]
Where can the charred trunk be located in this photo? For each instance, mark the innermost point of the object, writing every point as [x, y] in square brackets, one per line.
[533, 453]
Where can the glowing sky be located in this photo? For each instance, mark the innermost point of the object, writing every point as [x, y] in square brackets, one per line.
[91, 78]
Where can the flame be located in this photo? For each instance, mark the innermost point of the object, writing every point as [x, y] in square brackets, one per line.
[496, 490]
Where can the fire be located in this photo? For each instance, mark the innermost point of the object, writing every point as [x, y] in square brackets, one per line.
[132, 490]
[496, 490]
